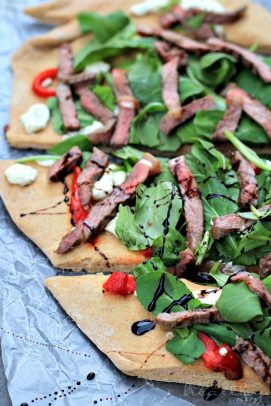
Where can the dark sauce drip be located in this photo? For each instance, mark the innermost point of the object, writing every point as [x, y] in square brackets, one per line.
[159, 291]
[142, 327]
[62, 393]
[214, 195]
[145, 235]
[140, 193]
[44, 211]
[154, 266]
[102, 254]
[91, 376]
[181, 302]
[165, 224]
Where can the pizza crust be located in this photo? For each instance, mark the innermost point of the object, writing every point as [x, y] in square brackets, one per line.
[46, 230]
[40, 53]
[142, 356]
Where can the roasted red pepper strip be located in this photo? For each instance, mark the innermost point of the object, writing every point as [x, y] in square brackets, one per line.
[38, 80]
[120, 283]
[221, 358]
[77, 210]
[255, 168]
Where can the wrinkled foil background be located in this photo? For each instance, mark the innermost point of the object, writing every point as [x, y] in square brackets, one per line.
[45, 357]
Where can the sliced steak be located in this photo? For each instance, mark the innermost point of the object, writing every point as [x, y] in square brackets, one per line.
[230, 120]
[186, 259]
[247, 58]
[175, 38]
[255, 358]
[127, 105]
[179, 15]
[92, 171]
[188, 318]
[170, 85]
[65, 164]
[252, 107]
[228, 224]
[248, 181]
[193, 209]
[171, 121]
[91, 103]
[65, 61]
[167, 52]
[255, 285]
[67, 107]
[83, 77]
[265, 266]
[102, 212]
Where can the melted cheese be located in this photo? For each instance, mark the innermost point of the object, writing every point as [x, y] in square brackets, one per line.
[36, 118]
[19, 174]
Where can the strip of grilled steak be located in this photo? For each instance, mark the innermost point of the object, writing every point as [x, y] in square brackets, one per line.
[170, 121]
[186, 259]
[170, 85]
[252, 107]
[265, 266]
[175, 38]
[228, 224]
[179, 15]
[127, 105]
[65, 61]
[92, 171]
[67, 107]
[255, 358]
[248, 181]
[248, 58]
[102, 212]
[255, 285]
[103, 135]
[230, 120]
[168, 52]
[65, 164]
[193, 209]
[91, 103]
[188, 318]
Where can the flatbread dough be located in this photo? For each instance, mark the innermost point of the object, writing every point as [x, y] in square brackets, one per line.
[41, 53]
[52, 222]
[143, 356]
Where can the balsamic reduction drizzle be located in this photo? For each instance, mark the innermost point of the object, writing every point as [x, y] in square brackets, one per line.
[159, 291]
[142, 327]
[90, 376]
[102, 254]
[181, 302]
[214, 195]
[201, 277]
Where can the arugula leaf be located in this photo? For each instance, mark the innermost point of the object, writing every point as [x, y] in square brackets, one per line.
[174, 290]
[213, 69]
[124, 40]
[81, 141]
[262, 339]
[218, 332]
[264, 183]
[106, 95]
[56, 117]
[203, 247]
[251, 132]
[186, 346]
[168, 247]
[152, 265]
[237, 304]
[257, 236]
[145, 80]
[205, 122]
[103, 27]
[220, 278]
[189, 89]
[129, 153]
[267, 282]
[127, 230]
[196, 21]
[247, 152]
[35, 158]
[84, 117]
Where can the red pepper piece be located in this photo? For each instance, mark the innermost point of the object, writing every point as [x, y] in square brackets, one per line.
[77, 210]
[147, 252]
[38, 80]
[221, 358]
[255, 168]
[119, 283]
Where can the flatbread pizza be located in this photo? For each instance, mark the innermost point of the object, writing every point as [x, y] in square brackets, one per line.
[39, 121]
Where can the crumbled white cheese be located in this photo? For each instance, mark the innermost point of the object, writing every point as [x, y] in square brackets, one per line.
[118, 177]
[47, 82]
[210, 296]
[111, 226]
[46, 162]
[97, 67]
[208, 5]
[103, 187]
[116, 111]
[148, 6]
[169, 335]
[89, 129]
[146, 162]
[22, 175]
[223, 351]
[36, 118]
